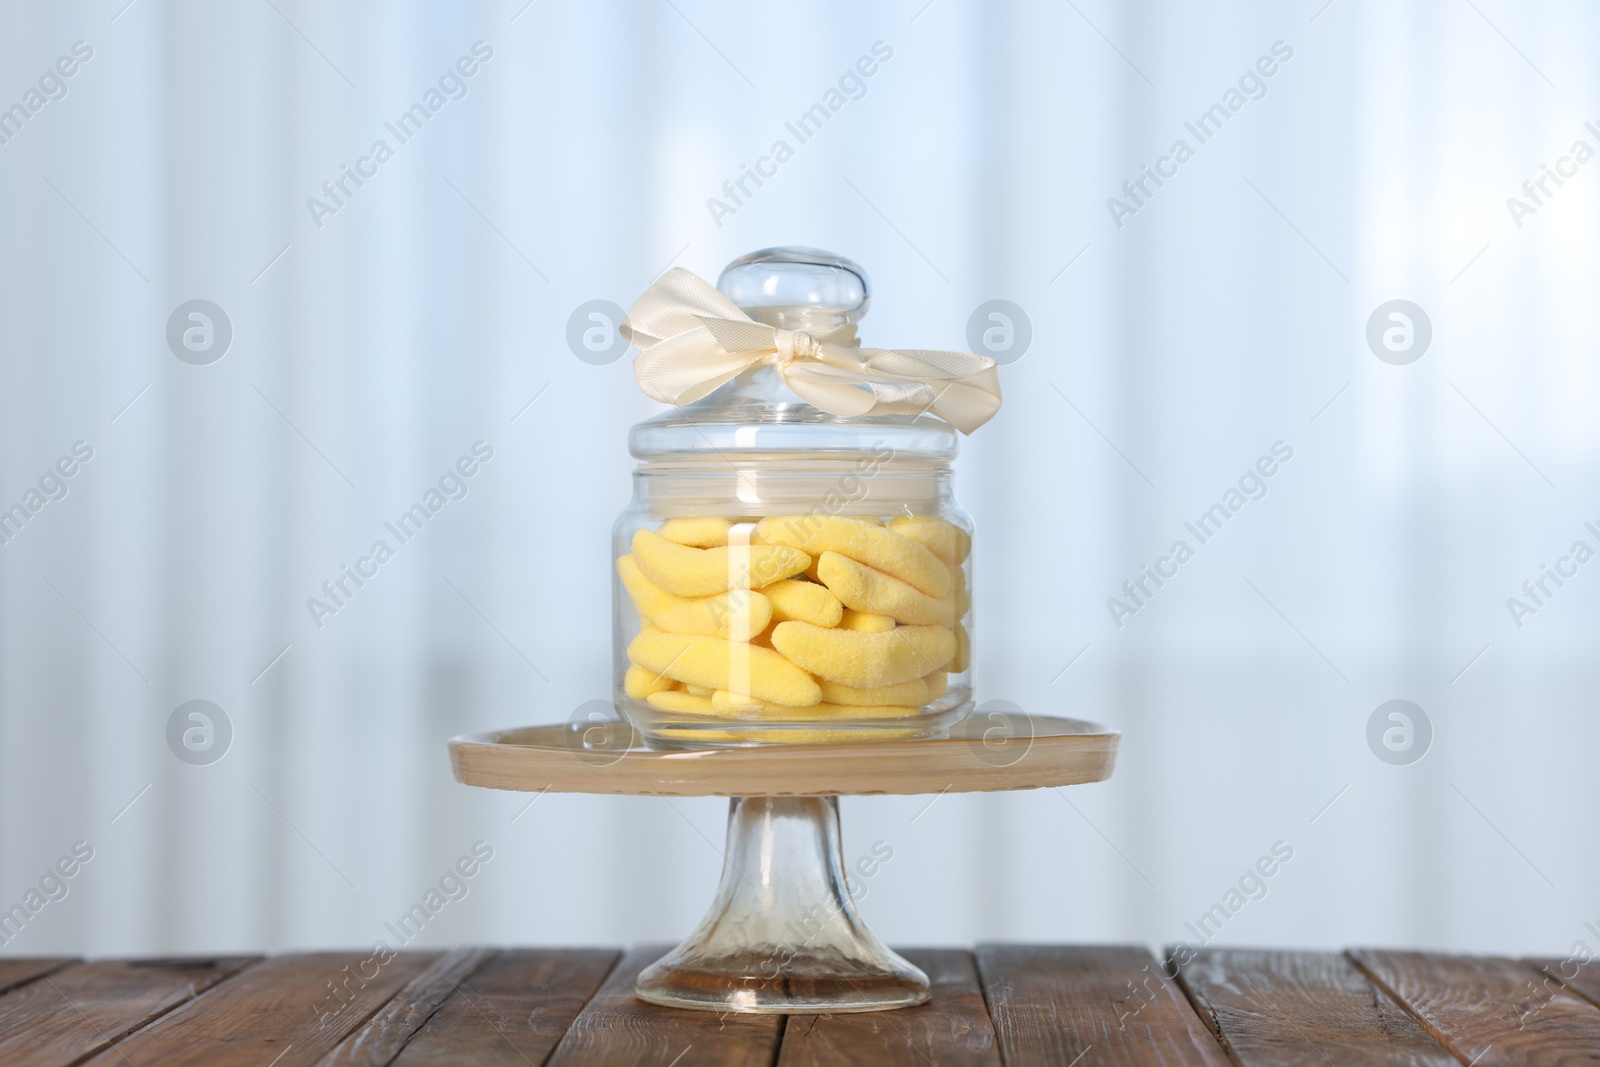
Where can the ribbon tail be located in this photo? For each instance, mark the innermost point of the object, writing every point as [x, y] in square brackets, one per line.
[969, 402]
[958, 387]
[836, 393]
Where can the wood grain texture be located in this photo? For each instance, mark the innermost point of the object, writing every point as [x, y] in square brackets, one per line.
[15, 972]
[1484, 1010]
[513, 1011]
[1304, 1009]
[73, 1012]
[615, 1028]
[1581, 978]
[952, 1030]
[1048, 1005]
[380, 1039]
[1112, 1005]
[278, 1013]
[1060, 752]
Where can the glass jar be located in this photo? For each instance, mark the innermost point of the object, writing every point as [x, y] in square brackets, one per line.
[784, 574]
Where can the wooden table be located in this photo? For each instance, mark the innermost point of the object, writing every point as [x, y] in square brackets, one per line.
[1010, 1004]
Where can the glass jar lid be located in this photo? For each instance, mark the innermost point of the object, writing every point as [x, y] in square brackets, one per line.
[791, 288]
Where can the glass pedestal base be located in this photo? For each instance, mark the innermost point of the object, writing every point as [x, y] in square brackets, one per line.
[783, 936]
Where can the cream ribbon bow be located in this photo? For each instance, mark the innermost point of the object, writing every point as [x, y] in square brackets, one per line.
[692, 339]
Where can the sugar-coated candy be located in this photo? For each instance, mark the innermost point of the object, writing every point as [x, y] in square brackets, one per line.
[811, 735]
[795, 619]
[678, 700]
[698, 572]
[793, 599]
[722, 700]
[739, 704]
[862, 660]
[696, 532]
[944, 539]
[738, 614]
[639, 683]
[865, 622]
[865, 589]
[718, 664]
[914, 692]
[876, 546]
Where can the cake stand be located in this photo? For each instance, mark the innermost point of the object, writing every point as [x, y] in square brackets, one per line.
[783, 935]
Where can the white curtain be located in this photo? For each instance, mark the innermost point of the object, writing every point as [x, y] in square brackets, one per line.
[377, 335]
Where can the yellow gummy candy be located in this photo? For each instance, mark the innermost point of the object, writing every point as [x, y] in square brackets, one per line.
[804, 601]
[737, 615]
[963, 654]
[865, 589]
[674, 700]
[865, 622]
[800, 735]
[722, 700]
[876, 546]
[914, 692]
[748, 707]
[697, 572]
[681, 700]
[696, 532]
[715, 663]
[698, 690]
[938, 684]
[639, 683]
[864, 660]
[944, 539]
[829, 737]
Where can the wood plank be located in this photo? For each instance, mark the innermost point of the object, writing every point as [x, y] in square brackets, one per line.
[76, 1011]
[283, 1012]
[1478, 1008]
[617, 1028]
[1582, 978]
[380, 1038]
[952, 1030]
[513, 1012]
[1056, 1003]
[15, 972]
[1305, 1009]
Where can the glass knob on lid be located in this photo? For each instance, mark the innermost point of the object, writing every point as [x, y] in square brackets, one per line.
[796, 288]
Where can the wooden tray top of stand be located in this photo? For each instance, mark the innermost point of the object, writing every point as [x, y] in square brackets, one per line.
[536, 758]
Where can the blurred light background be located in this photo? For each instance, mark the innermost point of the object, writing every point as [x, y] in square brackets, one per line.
[373, 345]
